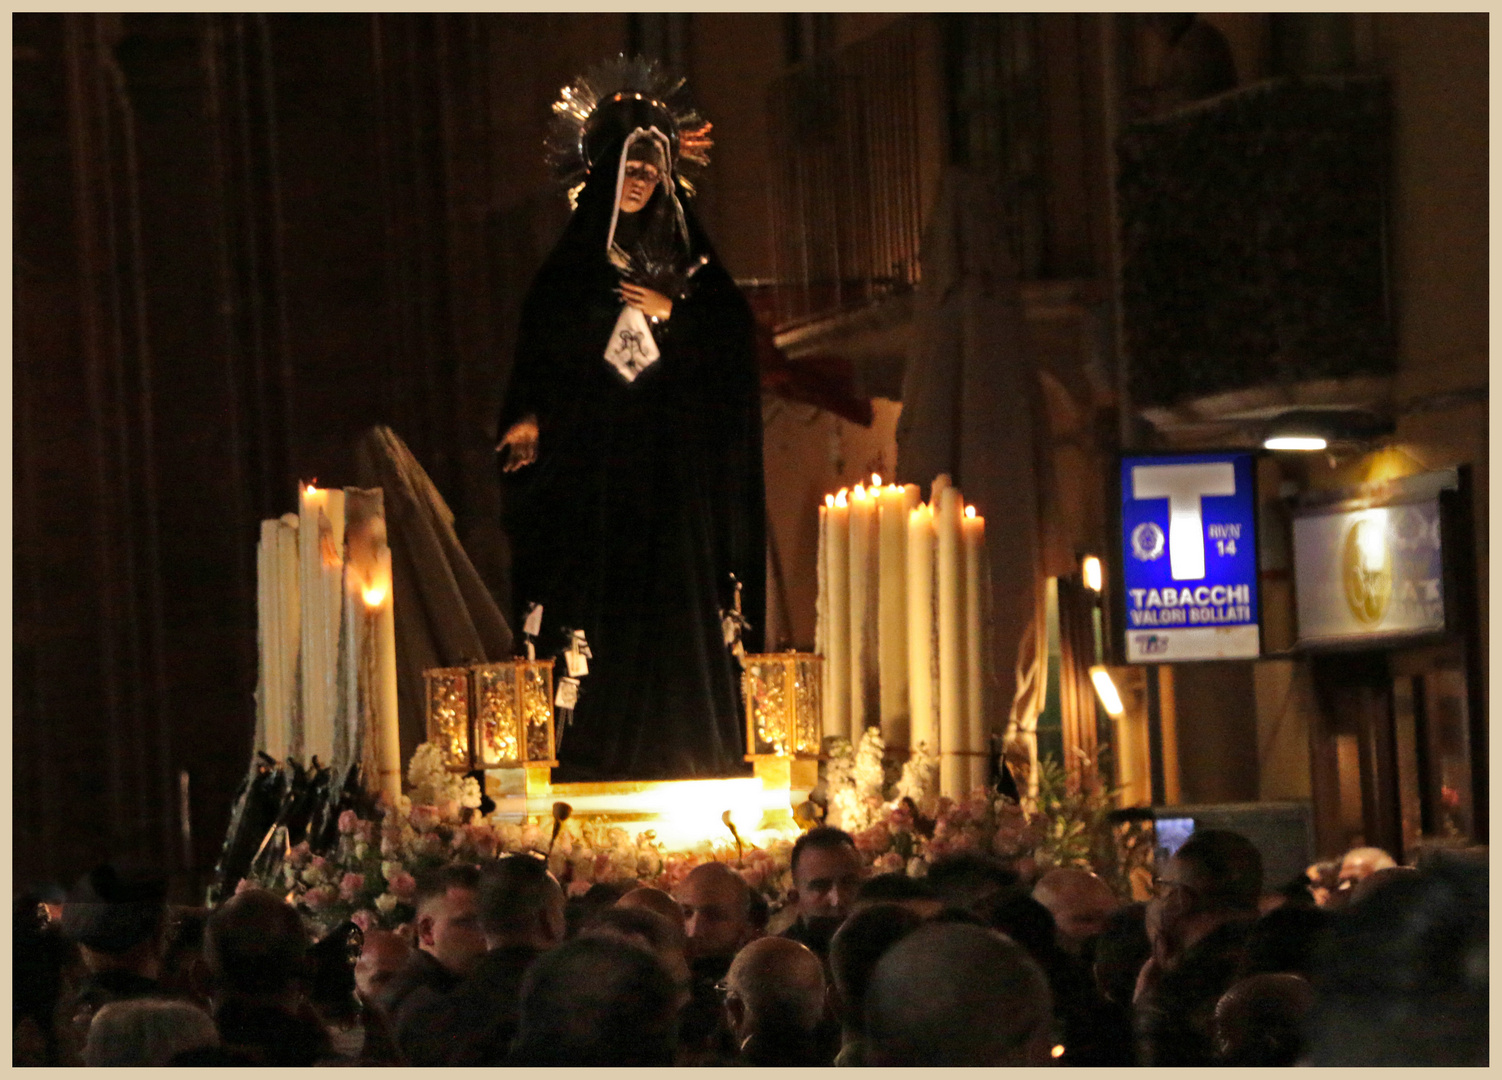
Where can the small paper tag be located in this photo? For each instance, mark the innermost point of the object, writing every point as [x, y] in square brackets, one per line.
[577, 665]
[632, 348]
[532, 625]
[568, 693]
[531, 650]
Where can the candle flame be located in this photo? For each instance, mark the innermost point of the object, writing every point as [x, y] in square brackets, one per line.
[829, 500]
[311, 489]
[840, 500]
[859, 493]
[969, 511]
[876, 480]
[374, 595]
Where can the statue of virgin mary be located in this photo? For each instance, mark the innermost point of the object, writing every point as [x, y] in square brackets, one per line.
[631, 453]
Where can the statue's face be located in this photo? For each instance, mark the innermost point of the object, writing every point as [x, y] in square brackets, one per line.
[641, 180]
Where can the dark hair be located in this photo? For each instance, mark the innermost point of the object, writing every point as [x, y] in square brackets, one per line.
[857, 946]
[112, 911]
[255, 943]
[658, 931]
[895, 886]
[1401, 978]
[1121, 948]
[966, 878]
[1026, 921]
[437, 883]
[819, 838]
[512, 892]
[596, 1001]
[1229, 868]
[1284, 940]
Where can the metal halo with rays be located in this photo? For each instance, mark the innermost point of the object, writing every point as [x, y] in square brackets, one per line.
[590, 109]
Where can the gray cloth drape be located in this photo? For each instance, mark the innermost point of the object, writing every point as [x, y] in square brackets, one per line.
[445, 616]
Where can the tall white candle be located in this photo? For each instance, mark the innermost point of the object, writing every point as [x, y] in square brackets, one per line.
[276, 619]
[321, 558]
[267, 630]
[977, 733]
[379, 600]
[837, 639]
[892, 625]
[953, 773]
[289, 614]
[920, 626]
[862, 617]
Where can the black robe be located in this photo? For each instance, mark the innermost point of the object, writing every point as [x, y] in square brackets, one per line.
[645, 497]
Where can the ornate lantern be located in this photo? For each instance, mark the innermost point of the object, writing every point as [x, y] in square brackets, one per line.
[492, 716]
[447, 703]
[513, 714]
[784, 713]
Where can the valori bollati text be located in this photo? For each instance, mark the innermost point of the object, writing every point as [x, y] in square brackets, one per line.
[1185, 607]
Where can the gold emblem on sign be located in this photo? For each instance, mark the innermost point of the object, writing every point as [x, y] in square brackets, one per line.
[1366, 568]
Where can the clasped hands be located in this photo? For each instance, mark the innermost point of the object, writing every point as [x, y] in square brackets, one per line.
[520, 441]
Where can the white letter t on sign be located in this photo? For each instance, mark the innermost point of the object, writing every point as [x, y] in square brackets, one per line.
[1183, 486]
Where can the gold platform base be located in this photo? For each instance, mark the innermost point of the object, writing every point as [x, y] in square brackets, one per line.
[680, 812]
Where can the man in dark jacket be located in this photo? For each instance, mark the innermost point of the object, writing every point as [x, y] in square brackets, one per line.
[449, 941]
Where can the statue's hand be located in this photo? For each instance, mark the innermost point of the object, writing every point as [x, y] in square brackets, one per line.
[647, 301]
[520, 444]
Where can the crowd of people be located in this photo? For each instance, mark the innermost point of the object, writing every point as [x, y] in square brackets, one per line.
[1364, 963]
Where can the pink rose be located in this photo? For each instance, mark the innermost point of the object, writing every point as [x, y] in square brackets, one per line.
[350, 886]
[424, 818]
[366, 831]
[889, 863]
[245, 885]
[347, 822]
[318, 863]
[365, 920]
[299, 855]
[578, 888]
[403, 886]
[318, 899]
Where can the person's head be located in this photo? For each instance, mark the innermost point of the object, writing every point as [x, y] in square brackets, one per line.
[1284, 940]
[827, 873]
[1402, 977]
[117, 919]
[1259, 1020]
[913, 893]
[857, 945]
[519, 903]
[1323, 877]
[649, 898]
[651, 930]
[1358, 864]
[255, 946]
[381, 956]
[775, 989]
[1079, 901]
[1026, 922]
[644, 169]
[146, 1032]
[968, 879]
[1378, 879]
[1215, 870]
[952, 994]
[597, 1001]
[716, 904]
[1121, 948]
[448, 924]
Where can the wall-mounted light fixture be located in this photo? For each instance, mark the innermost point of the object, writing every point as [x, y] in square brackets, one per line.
[1091, 573]
[1105, 689]
[1317, 429]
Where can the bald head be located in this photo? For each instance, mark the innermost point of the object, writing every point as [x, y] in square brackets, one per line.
[648, 898]
[382, 954]
[1361, 863]
[779, 985]
[716, 903]
[1258, 1021]
[1079, 901]
[953, 994]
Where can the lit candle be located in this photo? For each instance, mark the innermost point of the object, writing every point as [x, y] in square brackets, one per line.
[382, 613]
[837, 638]
[977, 735]
[892, 628]
[289, 615]
[862, 615]
[953, 774]
[920, 626]
[320, 577]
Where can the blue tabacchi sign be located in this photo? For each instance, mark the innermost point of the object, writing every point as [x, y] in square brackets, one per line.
[1189, 557]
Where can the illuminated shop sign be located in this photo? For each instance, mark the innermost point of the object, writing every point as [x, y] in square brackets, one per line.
[1369, 571]
[1189, 557]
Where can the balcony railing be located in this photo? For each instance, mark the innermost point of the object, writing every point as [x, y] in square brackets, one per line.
[846, 206]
